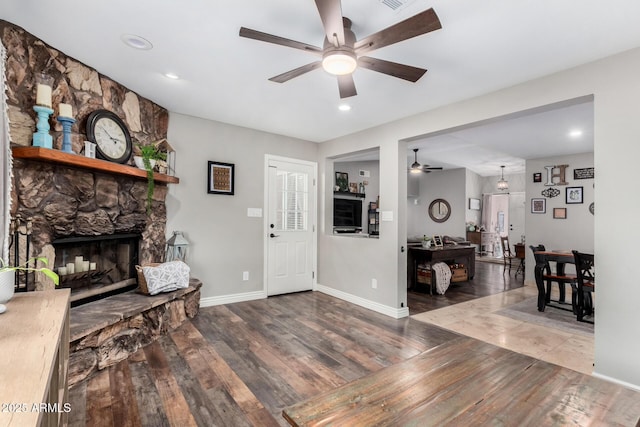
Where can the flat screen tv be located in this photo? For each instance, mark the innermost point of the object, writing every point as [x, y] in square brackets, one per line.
[347, 215]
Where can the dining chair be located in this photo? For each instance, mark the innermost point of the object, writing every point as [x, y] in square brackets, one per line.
[520, 255]
[507, 255]
[549, 276]
[585, 269]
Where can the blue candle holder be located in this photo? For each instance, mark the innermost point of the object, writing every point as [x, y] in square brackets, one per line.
[67, 122]
[41, 138]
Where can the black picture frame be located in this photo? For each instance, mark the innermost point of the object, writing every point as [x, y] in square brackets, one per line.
[221, 178]
[538, 206]
[537, 177]
[574, 195]
[342, 181]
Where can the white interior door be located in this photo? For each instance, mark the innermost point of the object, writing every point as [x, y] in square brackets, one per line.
[290, 226]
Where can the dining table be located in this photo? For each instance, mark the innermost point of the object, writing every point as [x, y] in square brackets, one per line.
[543, 258]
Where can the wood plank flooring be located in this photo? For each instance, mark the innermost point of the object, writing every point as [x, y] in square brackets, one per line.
[242, 364]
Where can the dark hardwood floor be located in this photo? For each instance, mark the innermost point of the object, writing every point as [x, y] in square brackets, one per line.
[242, 364]
[489, 279]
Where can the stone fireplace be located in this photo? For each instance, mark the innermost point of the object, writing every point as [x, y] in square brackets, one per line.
[68, 196]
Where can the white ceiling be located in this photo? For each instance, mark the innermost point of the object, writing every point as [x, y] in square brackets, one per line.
[482, 46]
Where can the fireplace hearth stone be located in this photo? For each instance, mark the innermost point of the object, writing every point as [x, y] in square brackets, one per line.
[105, 332]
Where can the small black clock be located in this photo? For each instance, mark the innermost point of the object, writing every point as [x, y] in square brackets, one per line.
[111, 136]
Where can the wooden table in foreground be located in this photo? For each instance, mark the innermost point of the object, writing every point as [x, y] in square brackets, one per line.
[34, 338]
[466, 382]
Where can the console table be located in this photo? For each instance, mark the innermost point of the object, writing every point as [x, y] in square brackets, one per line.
[417, 254]
[34, 336]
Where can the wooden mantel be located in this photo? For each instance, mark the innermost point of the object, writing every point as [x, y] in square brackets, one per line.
[78, 161]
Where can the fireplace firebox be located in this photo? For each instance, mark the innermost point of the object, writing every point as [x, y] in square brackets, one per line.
[95, 267]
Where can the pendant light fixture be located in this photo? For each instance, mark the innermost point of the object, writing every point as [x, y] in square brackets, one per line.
[415, 166]
[503, 184]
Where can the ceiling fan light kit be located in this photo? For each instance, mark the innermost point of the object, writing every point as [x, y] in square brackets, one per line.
[339, 62]
[342, 53]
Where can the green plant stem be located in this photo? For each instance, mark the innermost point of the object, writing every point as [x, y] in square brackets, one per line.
[150, 183]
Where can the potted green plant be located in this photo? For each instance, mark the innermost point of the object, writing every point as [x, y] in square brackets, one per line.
[148, 155]
[7, 277]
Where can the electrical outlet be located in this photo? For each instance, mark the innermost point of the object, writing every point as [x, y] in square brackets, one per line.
[374, 283]
[245, 275]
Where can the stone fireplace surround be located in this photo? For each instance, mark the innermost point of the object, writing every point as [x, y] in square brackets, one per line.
[68, 199]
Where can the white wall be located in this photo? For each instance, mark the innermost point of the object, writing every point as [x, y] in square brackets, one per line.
[615, 87]
[224, 242]
[448, 185]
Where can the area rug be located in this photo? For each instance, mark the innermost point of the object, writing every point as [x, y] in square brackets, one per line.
[527, 310]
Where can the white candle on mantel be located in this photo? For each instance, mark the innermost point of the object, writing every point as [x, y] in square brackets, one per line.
[43, 95]
[78, 264]
[92, 266]
[62, 271]
[70, 268]
[64, 110]
[85, 265]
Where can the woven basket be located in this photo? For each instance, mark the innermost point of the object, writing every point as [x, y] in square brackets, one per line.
[142, 283]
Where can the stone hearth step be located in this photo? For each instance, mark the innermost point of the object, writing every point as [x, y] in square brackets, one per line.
[104, 332]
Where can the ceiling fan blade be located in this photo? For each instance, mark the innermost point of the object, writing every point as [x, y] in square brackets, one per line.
[281, 78]
[331, 15]
[270, 38]
[417, 25]
[401, 71]
[434, 168]
[346, 86]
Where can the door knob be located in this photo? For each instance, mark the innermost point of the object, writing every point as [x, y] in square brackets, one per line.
[274, 235]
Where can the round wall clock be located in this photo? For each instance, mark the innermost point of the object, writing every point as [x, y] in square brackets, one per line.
[439, 210]
[111, 136]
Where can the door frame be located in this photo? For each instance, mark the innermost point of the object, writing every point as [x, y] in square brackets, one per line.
[313, 219]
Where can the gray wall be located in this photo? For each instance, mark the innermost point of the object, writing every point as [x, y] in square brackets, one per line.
[448, 185]
[224, 242]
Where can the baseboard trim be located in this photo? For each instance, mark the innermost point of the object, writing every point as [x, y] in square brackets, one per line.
[230, 299]
[616, 381]
[396, 313]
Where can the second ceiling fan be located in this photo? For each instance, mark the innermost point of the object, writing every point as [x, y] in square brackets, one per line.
[417, 167]
[342, 53]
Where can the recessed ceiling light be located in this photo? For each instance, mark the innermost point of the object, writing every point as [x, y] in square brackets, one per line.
[575, 133]
[136, 42]
[171, 76]
[344, 107]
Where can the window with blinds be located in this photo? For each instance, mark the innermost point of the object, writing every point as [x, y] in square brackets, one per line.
[292, 210]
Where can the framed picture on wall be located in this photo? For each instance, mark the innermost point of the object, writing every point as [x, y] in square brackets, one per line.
[538, 206]
[560, 213]
[474, 204]
[220, 179]
[574, 195]
[342, 181]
